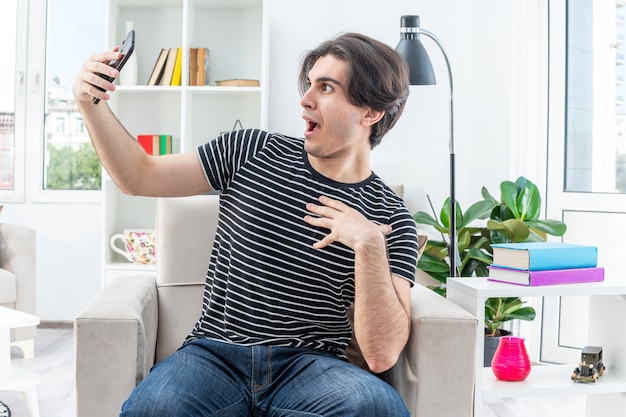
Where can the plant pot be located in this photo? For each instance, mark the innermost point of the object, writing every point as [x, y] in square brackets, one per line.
[491, 344]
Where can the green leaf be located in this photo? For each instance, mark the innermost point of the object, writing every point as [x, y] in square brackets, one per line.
[521, 182]
[480, 256]
[551, 227]
[509, 191]
[465, 240]
[445, 215]
[510, 305]
[478, 210]
[528, 202]
[422, 217]
[429, 263]
[487, 196]
[513, 229]
[524, 313]
[501, 212]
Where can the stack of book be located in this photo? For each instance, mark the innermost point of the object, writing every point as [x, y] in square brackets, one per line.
[545, 263]
[156, 144]
[167, 68]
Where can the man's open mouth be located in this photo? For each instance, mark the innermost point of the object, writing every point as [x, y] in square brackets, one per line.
[311, 126]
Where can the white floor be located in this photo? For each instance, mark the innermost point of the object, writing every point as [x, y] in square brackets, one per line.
[573, 406]
[54, 361]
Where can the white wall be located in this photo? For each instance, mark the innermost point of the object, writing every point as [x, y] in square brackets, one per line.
[476, 36]
[69, 254]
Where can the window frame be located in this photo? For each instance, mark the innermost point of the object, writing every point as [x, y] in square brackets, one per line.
[35, 135]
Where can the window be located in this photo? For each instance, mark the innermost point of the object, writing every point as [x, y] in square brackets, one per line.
[585, 170]
[8, 33]
[595, 107]
[60, 125]
[79, 125]
[70, 163]
[38, 116]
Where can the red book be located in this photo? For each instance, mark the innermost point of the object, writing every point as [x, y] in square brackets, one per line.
[546, 277]
[146, 143]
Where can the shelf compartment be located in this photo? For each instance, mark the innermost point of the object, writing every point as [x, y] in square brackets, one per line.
[549, 380]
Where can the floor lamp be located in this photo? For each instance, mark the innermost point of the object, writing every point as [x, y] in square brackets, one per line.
[421, 73]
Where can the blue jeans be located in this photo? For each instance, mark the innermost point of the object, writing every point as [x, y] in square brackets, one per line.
[208, 378]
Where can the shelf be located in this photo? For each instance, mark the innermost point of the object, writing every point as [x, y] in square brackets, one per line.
[17, 379]
[10, 318]
[128, 266]
[224, 90]
[549, 380]
[236, 32]
[145, 89]
[160, 89]
[608, 300]
[482, 288]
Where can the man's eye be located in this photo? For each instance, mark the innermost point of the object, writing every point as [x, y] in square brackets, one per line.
[327, 88]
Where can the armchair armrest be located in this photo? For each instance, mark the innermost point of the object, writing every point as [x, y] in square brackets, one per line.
[435, 372]
[17, 254]
[115, 338]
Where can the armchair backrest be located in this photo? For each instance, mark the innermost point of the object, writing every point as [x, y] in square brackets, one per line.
[185, 229]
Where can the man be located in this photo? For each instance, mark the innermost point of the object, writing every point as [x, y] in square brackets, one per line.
[306, 230]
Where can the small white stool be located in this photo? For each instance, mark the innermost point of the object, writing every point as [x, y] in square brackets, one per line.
[13, 378]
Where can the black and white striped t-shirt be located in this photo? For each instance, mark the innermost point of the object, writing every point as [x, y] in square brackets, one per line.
[266, 284]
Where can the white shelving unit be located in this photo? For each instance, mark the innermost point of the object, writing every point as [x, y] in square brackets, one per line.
[607, 303]
[235, 32]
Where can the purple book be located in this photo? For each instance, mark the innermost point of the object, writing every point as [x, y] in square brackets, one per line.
[546, 277]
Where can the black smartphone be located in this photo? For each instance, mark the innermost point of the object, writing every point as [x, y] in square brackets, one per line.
[126, 49]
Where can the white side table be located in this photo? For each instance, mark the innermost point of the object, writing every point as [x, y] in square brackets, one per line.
[13, 378]
[608, 309]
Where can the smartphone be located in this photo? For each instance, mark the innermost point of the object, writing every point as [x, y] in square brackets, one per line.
[126, 49]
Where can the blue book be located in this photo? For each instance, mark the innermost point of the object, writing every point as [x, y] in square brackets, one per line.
[536, 256]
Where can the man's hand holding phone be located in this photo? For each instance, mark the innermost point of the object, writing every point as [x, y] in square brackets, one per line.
[115, 65]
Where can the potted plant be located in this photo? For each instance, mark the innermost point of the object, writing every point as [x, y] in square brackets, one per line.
[512, 218]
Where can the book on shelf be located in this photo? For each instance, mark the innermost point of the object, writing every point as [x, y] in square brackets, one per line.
[193, 66]
[533, 256]
[157, 71]
[202, 73]
[147, 143]
[546, 276]
[156, 144]
[165, 144]
[168, 71]
[238, 82]
[178, 68]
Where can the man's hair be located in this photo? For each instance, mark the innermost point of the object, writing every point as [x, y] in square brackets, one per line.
[378, 76]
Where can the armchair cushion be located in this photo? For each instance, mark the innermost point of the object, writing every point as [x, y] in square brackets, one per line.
[8, 287]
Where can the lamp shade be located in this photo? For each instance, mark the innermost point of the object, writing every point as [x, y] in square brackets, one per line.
[414, 53]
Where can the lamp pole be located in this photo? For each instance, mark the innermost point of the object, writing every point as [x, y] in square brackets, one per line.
[452, 251]
[411, 48]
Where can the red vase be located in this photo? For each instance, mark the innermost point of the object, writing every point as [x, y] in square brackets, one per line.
[511, 361]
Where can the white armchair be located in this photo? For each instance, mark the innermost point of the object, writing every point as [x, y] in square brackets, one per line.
[137, 321]
[18, 280]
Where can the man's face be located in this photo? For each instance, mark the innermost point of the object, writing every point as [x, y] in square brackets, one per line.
[334, 126]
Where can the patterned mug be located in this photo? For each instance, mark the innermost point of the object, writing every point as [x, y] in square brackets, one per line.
[139, 245]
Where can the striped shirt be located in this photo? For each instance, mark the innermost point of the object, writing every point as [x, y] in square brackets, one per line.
[266, 284]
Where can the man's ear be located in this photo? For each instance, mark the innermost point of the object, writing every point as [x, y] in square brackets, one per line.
[372, 117]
